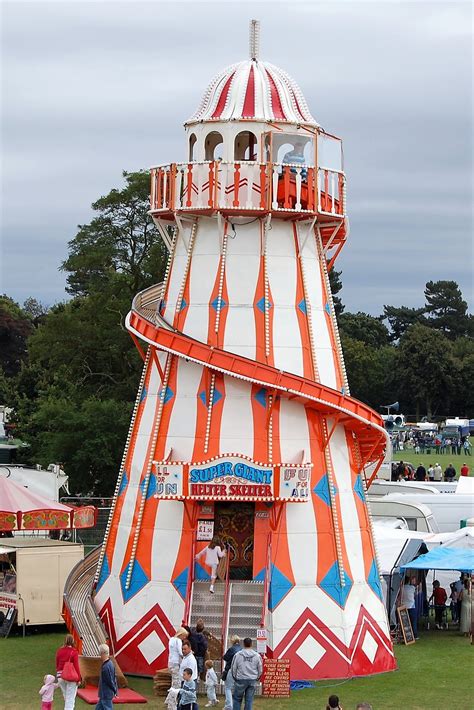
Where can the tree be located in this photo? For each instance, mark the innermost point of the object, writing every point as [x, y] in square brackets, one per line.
[365, 328]
[121, 240]
[369, 371]
[400, 319]
[425, 369]
[336, 286]
[34, 309]
[15, 327]
[446, 309]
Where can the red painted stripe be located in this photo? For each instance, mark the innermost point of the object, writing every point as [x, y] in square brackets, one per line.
[276, 103]
[223, 97]
[249, 102]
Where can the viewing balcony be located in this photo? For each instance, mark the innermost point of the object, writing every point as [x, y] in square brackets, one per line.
[245, 187]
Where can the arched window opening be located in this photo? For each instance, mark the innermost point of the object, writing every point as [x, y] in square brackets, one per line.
[192, 143]
[213, 146]
[245, 146]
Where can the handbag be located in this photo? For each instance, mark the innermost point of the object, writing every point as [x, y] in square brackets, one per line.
[69, 672]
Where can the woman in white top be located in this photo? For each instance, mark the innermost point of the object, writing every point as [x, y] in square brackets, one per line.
[175, 656]
[213, 553]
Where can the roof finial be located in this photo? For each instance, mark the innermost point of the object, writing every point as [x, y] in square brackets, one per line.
[254, 38]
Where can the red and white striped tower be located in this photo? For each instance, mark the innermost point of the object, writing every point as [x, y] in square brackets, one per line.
[244, 396]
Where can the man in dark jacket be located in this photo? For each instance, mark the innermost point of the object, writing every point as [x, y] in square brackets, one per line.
[201, 645]
[450, 473]
[420, 473]
[227, 675]
[108, 688]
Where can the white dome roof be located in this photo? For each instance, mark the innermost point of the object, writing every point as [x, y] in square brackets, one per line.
[254, 90]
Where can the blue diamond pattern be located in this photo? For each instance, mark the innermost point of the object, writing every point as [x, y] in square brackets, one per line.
[261, 397]
[321, 489]
[151, 490]
[261, 304]
[260, 577]
[104, 573]
[162, 307]
[200, 573]
[143, 394]
[215, 304]
[182, 305]
[359, 488]
[215, 398]
[331, 584]
[279, 587]
[181, 582]
[374, 580]
[327, 308]
[168, 394]
[302, 306]
[123, 483]
[137, 582]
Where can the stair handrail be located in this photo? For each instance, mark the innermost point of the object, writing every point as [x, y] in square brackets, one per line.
[225, 611]
[190, 583]
[266, 581]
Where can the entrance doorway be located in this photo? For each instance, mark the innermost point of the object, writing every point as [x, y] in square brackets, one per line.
[234, 525]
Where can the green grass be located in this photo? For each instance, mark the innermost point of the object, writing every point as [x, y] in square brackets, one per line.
[437, 672]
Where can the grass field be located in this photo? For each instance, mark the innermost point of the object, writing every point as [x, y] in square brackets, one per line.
[436, 672]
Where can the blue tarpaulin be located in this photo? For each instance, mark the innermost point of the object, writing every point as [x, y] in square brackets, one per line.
[444, 558]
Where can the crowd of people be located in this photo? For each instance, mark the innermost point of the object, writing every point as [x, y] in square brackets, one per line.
[403, 471]
[428, 441]
[187, 650]
[68, 678]
[457, 603]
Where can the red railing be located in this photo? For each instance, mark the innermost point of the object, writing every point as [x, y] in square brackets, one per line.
[266, 581]
[247, 186]
[225, 611]
[189, 585]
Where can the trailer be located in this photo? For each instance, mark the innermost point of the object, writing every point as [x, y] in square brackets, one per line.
[33, 572]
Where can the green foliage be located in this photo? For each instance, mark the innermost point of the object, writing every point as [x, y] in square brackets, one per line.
[336, 286]
[122, 239]
[369, 370]
[365, 328]
[425, 367]
[15, 327]
[446, 309]
[400, 319]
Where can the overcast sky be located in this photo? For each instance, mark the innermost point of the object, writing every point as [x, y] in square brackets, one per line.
[91, 88]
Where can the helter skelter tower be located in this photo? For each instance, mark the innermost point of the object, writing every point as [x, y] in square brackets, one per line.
[243, 424]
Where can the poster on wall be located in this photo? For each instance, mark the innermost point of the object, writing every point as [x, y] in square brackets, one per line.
[294, 482]
[276, 678]
[205, 530]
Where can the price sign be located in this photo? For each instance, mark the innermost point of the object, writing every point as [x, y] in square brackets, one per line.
[205, 530]
[262, 638]
[405, 625]
[276, 678]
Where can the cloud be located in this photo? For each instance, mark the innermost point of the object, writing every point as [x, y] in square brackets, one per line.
[91, 88]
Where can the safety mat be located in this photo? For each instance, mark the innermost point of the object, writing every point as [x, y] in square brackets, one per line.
[126, 695]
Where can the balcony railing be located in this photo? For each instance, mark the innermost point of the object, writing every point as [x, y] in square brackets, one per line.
[247, 186]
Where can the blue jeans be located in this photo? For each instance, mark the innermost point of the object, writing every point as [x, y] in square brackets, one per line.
[229, 686]
[104, 704]
[412, 613]
[243, 688]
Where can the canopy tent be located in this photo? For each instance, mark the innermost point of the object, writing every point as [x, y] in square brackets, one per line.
[444, 558]
[461, 539]
[21, 509]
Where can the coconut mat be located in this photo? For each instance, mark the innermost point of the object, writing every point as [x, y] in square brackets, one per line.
[126, 695]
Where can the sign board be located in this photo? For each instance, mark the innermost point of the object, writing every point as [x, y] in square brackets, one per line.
[232, 477]
[405, 625]
[262, 638]
[294, 482]
[205, 530]
[276, 678]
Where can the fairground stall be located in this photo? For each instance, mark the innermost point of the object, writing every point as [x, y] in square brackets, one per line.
[244, 426]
